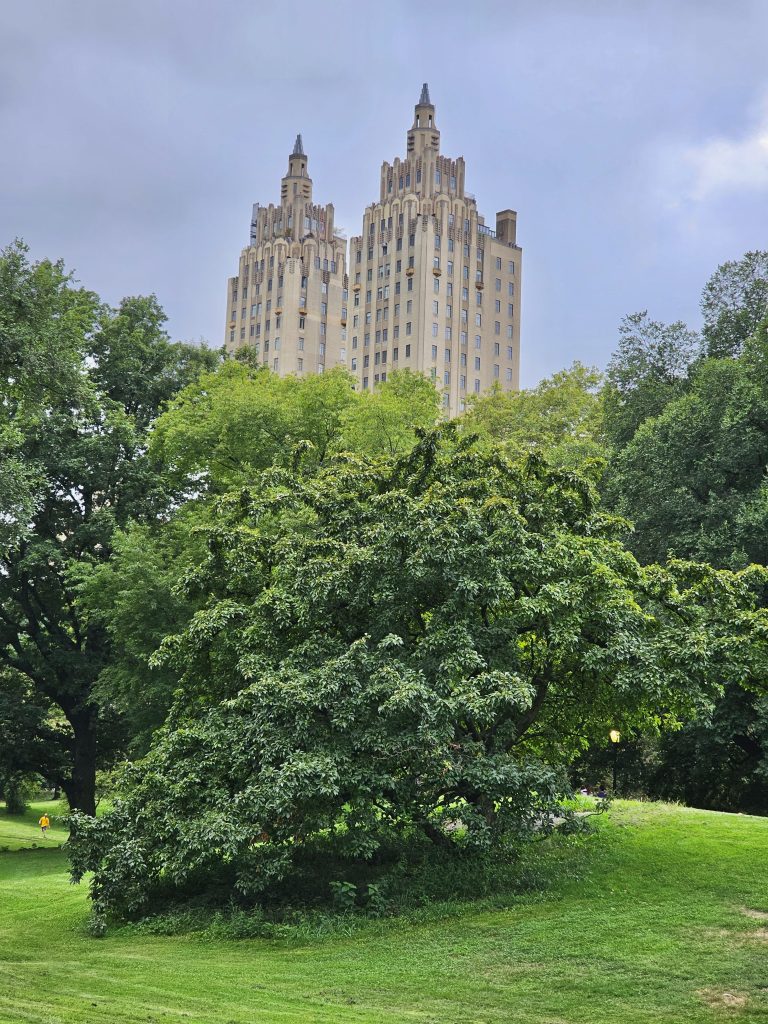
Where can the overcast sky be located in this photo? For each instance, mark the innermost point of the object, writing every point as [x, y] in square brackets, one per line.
[630, 135]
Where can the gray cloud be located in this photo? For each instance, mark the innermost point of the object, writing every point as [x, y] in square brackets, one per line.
[134, 138]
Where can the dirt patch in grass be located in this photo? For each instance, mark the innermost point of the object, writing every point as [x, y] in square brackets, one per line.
[722, 1000]
[756, 915]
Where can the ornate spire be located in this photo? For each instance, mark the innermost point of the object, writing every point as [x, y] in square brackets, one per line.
[424, 100]
[298, 147]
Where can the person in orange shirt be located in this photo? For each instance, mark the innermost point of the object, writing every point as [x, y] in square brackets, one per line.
[44, 823]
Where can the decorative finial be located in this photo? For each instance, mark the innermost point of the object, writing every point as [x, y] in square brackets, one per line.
[424, 100]
[298, 147]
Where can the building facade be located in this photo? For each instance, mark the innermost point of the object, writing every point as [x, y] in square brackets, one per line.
[433, 289]
[289, 299]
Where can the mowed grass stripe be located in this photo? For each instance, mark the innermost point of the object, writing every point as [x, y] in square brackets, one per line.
[652, 930]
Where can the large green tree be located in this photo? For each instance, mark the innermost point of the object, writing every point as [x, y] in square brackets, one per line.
[648, 370]
[84, 441]
[402, 647]
[734, 303]
[561, 418]
[692, 479]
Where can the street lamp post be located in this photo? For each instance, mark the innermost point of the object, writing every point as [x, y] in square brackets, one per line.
[615, 736]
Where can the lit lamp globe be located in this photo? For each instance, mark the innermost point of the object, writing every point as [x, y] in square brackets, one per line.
[615, 736]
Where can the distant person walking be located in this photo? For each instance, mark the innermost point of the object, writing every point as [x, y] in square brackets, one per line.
[44, 823]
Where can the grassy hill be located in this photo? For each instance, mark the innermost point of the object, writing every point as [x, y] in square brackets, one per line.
[663, 918]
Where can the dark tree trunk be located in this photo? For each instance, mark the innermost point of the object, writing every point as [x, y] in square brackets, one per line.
[80, 787]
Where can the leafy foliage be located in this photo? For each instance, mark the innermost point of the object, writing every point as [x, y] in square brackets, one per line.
[648, 369]
[561, 418]
[84, 435]
[734, 304]
[401, 651]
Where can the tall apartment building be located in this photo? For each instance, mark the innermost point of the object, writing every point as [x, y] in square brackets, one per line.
[289, 299]
[433, 288]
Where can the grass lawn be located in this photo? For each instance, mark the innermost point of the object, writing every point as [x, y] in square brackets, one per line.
[653, 930]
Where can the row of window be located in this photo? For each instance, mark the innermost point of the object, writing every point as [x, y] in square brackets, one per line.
[258, 266]
[446, 381]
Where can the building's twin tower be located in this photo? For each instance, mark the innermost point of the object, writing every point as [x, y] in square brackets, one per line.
[429, 287]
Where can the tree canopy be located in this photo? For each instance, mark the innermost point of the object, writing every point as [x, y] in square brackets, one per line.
[404, 646]
[80, 420]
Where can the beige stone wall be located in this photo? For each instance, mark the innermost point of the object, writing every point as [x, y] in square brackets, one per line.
[430, 287]
[289, 298]
[433, 289]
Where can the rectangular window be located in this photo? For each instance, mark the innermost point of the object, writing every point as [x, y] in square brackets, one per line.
[300, 364]
[463, 359]
[447, 377]
[365, 382]
[497, 327]
[408, 328]
[366, 360]
[463, 382]
[434, 351]
[437, 241]
[407, 351]
[497, 307]
[448, 333]
[323, 309]
[511, 288]
[396, 331]
[354, 362]
[275, 364]
[477, 386]
[435, 307]
[478, 319]
[447, 356]
[409, 306]
[477, 362]
[511, 266]
[498, 267]
[496, 348]
[509, 330]
[434, 330]
[410, 284]
[450, 268]
[384, 356]
[510, 310]
[496, 371]
[395, 354]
